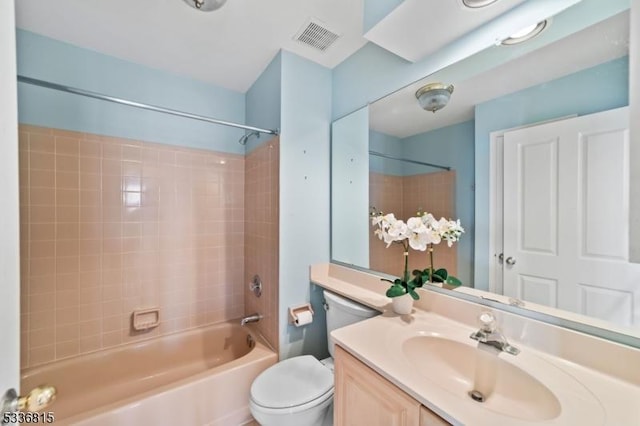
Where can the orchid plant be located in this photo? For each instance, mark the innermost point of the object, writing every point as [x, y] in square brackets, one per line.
[419, 233]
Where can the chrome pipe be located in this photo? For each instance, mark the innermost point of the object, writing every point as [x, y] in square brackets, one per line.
[422, 163]
[134, 104]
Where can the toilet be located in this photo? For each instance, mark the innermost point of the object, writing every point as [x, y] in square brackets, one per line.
[299, 391]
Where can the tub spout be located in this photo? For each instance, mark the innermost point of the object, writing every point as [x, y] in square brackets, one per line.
[250, 318]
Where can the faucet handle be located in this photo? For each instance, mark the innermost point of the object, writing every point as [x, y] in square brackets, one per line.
[487, 321]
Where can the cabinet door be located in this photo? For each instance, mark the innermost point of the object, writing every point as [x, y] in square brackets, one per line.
[429, 418]
[364, 398]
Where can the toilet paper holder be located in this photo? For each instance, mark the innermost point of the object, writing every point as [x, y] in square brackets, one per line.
[294, 311]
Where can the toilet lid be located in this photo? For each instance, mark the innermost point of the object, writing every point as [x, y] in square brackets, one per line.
[292, 382]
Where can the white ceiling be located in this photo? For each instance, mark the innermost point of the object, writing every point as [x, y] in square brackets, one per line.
[229, 47]
[417, 28]
[400, 115]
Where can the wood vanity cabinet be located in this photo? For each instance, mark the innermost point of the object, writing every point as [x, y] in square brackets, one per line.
[365, 398]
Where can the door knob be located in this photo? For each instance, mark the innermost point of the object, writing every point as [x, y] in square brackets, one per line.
[501, 257]
[36, 400]
[510, 261]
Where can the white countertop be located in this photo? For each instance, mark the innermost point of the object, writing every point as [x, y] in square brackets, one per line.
[604, 390]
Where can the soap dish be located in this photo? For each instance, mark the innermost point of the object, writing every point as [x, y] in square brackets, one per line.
[144, 319]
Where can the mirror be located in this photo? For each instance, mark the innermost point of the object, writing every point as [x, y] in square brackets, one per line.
[496, 158]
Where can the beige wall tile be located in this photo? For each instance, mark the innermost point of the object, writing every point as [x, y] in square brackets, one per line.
[42, 142]
[93, 211]
[42, 178]
[42, 354]
[42, 160]
[90, 148]
[259, 252]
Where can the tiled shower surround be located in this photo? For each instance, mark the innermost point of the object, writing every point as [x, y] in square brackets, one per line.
[111, 225]
[404, 196]
[261, 234]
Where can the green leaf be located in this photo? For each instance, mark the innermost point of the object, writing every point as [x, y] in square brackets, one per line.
[442, 273]
[395, 291]
[416, 272]
[437, 278]
[418, 280]
[414, 295]
[451, 280]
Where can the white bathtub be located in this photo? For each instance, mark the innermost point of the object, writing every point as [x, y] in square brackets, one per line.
[198, 377]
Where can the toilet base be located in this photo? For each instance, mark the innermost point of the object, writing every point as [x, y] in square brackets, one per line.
[320, 415]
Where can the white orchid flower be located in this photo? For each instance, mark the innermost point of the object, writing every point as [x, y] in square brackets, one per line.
[390, 218]
[376, 219]
[427, 219]
[433, 236]
[398, 230]
[388, 238]
[416, 225]
[419, 241]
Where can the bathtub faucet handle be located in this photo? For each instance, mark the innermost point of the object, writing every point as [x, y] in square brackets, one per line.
[256, 285]
[250, 318]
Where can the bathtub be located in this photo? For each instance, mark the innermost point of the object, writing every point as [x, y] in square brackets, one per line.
[197, 377]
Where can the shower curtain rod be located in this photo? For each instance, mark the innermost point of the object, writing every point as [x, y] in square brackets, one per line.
[95, 95]
[437, 166]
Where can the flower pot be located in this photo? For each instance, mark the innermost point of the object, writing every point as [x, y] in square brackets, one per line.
[402, 304]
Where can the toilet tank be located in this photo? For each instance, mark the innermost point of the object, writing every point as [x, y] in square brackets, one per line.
[342, 312]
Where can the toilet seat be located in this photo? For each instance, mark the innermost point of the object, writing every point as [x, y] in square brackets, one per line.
[293, 385]
[318, 403]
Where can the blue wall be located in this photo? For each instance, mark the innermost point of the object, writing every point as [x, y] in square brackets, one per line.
[304, 198]
[385, 144]
[350, 189]
[451, 146]
[47, 59]
[375, 10]
[263, 101]
[596, 89]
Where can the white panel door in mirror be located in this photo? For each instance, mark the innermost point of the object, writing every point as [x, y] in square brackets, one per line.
[566, 201]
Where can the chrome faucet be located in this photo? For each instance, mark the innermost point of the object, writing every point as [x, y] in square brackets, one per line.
[250, 318]
[490, 335]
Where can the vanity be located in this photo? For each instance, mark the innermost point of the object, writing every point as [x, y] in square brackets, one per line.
[424, 369]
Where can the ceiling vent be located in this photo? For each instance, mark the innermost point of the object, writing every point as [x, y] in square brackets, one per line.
[316, 34]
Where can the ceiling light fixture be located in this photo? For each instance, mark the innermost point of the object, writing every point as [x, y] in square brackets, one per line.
[434, 96]
[526, 33]
[475, 4]
[206, 5]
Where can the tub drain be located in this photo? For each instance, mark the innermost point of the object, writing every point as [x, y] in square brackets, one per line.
[476, 396]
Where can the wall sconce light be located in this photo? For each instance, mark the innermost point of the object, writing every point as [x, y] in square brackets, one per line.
[434, 96]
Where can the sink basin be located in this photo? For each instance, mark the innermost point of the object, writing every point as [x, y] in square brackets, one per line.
[460, 368]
